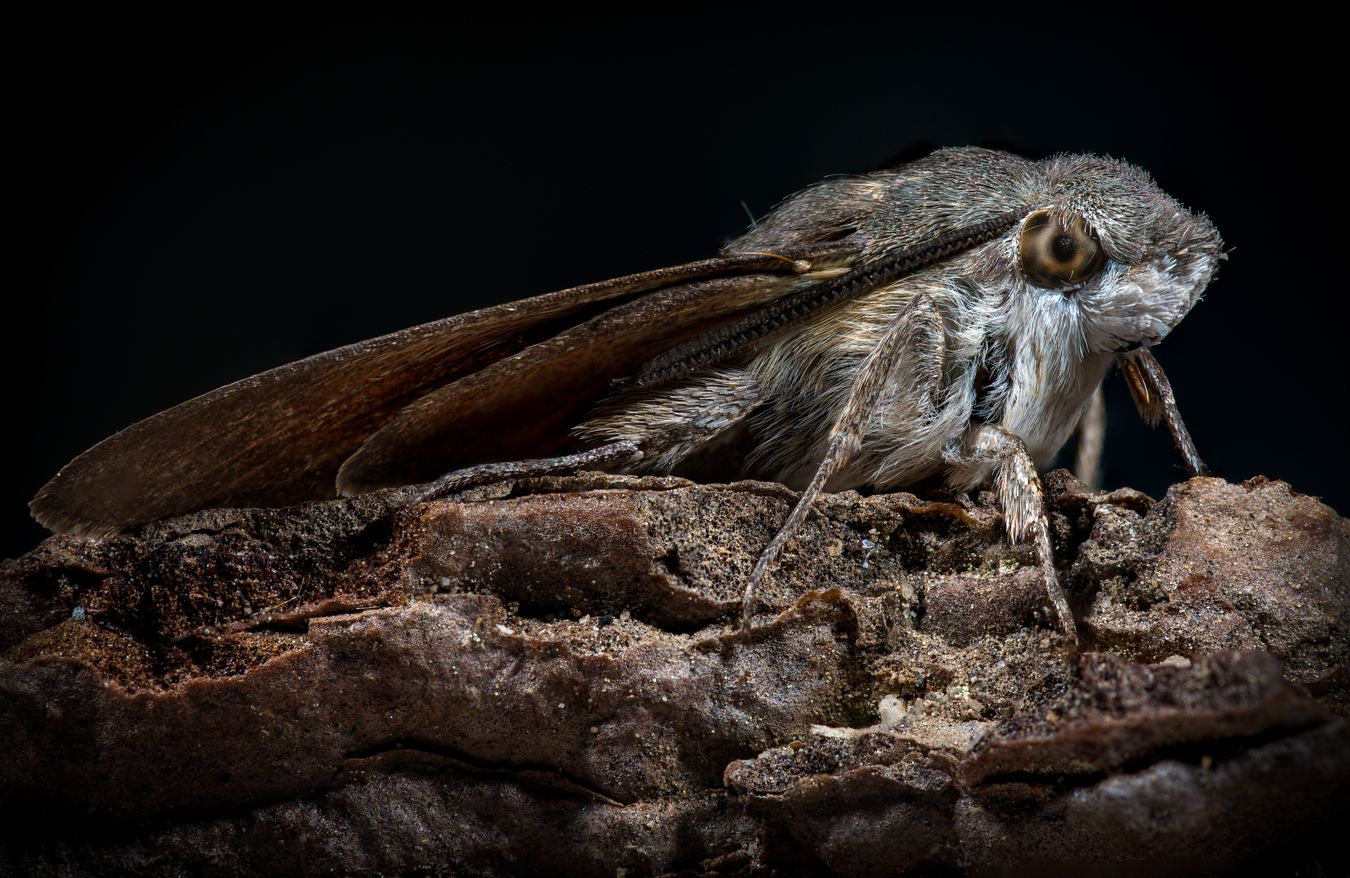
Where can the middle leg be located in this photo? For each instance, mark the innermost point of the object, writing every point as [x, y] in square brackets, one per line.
[1087, 465]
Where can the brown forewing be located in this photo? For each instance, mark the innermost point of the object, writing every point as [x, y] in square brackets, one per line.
[524, 405]
[279, 437]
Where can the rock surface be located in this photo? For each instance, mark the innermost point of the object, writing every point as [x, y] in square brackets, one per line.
[539, 677]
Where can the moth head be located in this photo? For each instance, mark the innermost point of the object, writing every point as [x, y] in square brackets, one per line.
[1118, 256]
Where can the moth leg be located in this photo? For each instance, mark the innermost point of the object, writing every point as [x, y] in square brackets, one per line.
[1023, 499]
[652, 431]
[1153, 397]
[621, 452]
[671, 422]
[1087, 464]
[909, 355]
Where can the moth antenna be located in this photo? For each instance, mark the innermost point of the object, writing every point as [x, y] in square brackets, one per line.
[725, 341]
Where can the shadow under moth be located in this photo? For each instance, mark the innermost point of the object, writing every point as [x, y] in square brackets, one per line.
[947, 321]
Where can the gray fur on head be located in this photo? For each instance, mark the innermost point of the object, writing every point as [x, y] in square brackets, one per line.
[1161, 255]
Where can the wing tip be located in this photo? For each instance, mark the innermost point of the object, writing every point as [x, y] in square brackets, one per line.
[351, 481]
[60, 517]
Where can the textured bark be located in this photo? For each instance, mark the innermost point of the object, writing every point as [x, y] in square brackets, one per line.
[541, 677]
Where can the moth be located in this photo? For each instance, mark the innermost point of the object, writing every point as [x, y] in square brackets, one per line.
[948, 321]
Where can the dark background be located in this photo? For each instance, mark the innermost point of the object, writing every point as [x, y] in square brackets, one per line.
[200, 199]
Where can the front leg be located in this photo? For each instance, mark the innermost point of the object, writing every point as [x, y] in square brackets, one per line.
[1023, 499]
[1153, 397]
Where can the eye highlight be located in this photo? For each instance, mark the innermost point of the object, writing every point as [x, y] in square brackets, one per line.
[1057, 254]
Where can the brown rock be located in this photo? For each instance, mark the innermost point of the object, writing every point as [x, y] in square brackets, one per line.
[1218, 566]
[541, 677]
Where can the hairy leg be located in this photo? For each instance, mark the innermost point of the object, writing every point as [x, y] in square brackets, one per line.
[651, 430]
[674, 421]
[615, 453]
[913, 344]
[1023, 499]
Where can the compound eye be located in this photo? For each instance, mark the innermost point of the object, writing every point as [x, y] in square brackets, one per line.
[1056, 253]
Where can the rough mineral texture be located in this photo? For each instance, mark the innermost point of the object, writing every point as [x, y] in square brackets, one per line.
[542, 677]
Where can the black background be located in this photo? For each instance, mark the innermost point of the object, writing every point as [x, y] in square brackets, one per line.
[202, 198]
